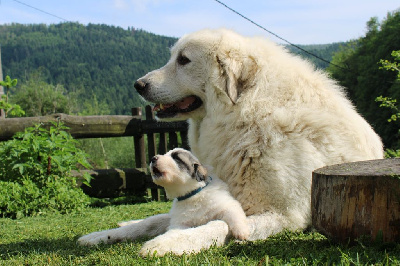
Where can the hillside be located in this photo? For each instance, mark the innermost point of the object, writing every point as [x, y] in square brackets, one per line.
[324, 51]
[96, 60]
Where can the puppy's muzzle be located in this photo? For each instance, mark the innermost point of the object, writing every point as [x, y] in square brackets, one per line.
[153, 167]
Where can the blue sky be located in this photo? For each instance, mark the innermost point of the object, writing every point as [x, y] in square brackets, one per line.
[298, 21]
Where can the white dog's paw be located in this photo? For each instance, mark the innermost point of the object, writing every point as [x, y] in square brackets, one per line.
[174, 241]
[95, 238]
[241, 232]
[157, 248]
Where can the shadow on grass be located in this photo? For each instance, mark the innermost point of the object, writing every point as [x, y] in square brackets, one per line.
[63, 247]
[312, 248]
[292, 248]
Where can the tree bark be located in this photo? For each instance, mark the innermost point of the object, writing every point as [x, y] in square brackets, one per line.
[358, 199]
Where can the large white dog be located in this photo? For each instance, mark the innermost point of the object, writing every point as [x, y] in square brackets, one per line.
[263, 119]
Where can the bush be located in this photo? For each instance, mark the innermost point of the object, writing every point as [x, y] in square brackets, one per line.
[35, 173]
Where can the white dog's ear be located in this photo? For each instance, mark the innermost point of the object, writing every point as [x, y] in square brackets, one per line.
[200, 172]
[236, 74]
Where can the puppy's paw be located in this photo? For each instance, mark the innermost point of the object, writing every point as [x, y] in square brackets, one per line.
[95, 238]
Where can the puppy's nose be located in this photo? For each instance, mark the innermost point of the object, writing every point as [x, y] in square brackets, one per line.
[154, 159]
[141, 86]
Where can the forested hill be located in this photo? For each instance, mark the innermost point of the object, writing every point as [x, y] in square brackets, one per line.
[315, 52]
[96, 60]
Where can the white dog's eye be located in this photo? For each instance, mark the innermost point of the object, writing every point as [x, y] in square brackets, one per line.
[183, 60]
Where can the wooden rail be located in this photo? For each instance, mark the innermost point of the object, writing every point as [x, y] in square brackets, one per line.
[107, 126]
[94, 126]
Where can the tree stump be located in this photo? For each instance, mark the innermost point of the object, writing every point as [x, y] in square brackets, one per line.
[358, 199]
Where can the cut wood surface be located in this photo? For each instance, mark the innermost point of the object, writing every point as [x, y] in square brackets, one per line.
[358, 199]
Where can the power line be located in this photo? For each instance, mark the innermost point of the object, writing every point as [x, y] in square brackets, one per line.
[41, 10]
[279, 37]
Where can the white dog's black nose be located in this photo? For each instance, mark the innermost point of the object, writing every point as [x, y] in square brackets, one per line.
[141, 86]
[154, 159]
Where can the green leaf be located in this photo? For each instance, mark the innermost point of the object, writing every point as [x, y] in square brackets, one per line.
[21, 168]
[86, 179]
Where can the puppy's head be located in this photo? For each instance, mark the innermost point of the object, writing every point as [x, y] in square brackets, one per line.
[178, 167]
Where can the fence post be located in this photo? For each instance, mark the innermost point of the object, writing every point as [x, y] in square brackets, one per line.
[173, 140]
[140, 150]
[151, 147]
[162, 148]
[185, 141]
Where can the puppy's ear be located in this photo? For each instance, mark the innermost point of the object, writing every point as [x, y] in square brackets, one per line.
[200, 172]
[236, 74]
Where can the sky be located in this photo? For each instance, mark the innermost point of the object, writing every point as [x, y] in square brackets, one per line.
[297, 21]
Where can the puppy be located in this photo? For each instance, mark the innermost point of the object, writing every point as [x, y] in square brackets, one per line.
[199, 202]
[198, 198]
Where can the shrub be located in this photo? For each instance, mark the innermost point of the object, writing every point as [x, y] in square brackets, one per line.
[389, 102]
[35, 172]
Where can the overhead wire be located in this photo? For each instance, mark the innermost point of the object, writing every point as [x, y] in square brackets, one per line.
[279, 37]
[22, 3]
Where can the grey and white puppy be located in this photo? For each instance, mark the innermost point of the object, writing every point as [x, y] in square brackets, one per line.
[198, 200]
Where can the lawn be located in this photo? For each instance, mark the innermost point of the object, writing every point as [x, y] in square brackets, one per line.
[51, 240]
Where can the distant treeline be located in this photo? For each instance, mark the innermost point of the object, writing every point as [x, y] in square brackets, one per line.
[316, 52]
[96, 60]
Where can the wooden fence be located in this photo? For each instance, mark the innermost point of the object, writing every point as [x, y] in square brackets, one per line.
[107, 183]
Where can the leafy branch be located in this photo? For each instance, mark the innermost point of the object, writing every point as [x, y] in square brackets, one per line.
[389, 102]
[12, 109]
[392, 66]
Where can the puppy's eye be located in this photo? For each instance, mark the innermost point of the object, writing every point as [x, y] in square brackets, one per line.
[183, 60]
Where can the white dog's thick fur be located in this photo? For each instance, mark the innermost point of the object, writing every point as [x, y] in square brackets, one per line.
[263, 119]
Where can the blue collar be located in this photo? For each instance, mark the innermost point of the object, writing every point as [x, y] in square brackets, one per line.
[194, 192]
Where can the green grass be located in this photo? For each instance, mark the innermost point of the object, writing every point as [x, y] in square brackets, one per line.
[51, 240]
[110, 152]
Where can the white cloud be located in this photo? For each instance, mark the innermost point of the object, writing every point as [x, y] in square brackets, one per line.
[120, 4]
[145, 5]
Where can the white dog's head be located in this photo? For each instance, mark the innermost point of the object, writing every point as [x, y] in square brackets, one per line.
[178, 171]
[203, 65]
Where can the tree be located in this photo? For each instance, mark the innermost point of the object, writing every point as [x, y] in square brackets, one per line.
[364, 80]
[94, 107]
[40, 98]
[388, 101]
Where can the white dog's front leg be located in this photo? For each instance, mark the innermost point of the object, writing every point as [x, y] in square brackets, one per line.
[190, 240]
[149, 227]
[264, 225]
